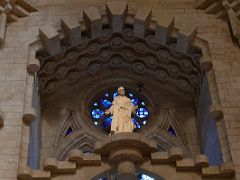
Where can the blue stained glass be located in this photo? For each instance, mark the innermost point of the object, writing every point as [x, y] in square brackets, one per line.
[106, 103]
[145, 177]
[103, 178]
[115, 94]
[97, 113]
[109, 119]
[69, 131]
[171, 131]
[136, 123]
[142, 112]
[130, 95]
[135, 101]
[105, 124]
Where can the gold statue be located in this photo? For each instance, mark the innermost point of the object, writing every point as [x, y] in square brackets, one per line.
[121, 109]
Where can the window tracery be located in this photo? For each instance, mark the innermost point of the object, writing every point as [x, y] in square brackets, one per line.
[104, 102]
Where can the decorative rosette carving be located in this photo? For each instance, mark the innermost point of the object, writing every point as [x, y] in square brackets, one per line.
[161, 75]
[139, 67]
[94, 68]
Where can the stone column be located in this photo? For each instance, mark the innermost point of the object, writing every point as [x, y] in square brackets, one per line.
[125, 152]
[126, 170]
[125, 159]
[217, 114]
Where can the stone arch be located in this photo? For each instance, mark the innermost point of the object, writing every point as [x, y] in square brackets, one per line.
[95, 25]
[67, 122]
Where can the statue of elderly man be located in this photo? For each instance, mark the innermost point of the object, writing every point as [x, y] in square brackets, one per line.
[121, 109]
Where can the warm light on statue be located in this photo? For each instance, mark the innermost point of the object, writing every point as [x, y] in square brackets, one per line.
[121, 109]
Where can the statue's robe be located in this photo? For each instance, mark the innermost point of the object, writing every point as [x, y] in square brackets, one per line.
[122, 108]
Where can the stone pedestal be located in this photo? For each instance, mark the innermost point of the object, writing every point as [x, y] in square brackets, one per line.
[125, 152]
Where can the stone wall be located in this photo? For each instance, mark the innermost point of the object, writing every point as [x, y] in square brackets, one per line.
[13, 59]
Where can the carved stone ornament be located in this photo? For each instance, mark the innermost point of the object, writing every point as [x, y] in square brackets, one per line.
[225, 9]
[117, 39]
[11, 10]
[133, 149]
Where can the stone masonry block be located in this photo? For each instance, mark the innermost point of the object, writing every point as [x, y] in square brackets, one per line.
[185, 39]
[20, 11]
[227, 168]
[76, 155]
[72, 31]
[201, 160]
[66, 167]
[40, 174]
[92, 159]
[141, 20]
[159, 157]
[216, 111]
[117, 14]
[50, 164]
[24, 172]
[27, 5]
[163, 30]
[175, 153]
[29, 114]
[185, 164]
[212, 171]
[50, 38]
[93, 21]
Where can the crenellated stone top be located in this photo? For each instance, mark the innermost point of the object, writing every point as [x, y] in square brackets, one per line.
[119, 39]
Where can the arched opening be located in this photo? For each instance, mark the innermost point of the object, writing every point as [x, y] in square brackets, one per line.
[81, 74]
[141, 175]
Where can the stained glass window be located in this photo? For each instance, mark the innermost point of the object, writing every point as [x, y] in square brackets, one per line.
[171, 131]
[140, 176]
[145, 177]
[69, 131]
[104, 102]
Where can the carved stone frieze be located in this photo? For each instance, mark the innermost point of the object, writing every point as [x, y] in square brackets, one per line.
[137, 55]
[137, 47]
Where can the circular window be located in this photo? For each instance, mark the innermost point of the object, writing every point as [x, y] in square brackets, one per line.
[104, 102]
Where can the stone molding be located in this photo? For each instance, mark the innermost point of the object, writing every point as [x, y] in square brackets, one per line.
[11, 11]
[217, 114]
[29, 112]
[226, 9]
[83, 135]
[144, 146]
